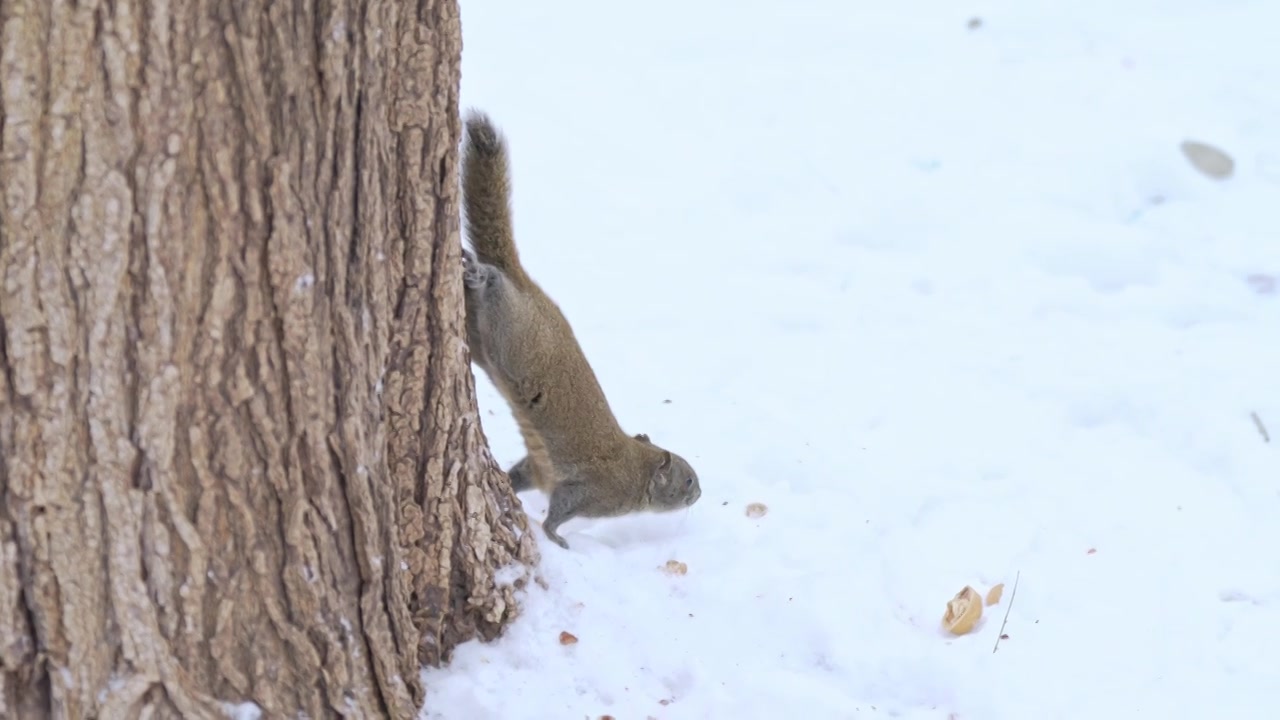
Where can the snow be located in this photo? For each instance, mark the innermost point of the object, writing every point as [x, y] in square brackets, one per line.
[952, 303]
[241, 711]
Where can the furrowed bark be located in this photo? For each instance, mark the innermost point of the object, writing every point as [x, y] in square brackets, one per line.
[239, 446]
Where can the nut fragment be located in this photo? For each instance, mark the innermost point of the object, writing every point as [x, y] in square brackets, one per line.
[568, 638]
[756, 510]
[675, 567]
[994, 594]
[1208, 159]
[963, 611]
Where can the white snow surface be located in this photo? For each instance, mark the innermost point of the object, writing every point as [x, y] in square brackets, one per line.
[951, 302]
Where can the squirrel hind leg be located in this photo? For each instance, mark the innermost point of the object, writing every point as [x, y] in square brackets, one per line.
[475, 274]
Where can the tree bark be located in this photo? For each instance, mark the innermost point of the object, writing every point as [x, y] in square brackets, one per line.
[239, 449]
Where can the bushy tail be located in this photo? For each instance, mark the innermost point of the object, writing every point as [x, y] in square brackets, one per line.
[486, 194]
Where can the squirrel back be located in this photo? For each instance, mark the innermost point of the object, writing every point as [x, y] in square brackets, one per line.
[528, 342]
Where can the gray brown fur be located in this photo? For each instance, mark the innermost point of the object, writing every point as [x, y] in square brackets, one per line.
[577, 452]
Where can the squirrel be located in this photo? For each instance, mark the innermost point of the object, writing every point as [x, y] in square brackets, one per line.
[576, 452]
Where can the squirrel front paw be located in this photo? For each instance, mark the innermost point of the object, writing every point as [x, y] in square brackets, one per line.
[555, 537]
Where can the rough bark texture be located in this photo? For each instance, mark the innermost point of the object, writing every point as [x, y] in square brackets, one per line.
[240, 455]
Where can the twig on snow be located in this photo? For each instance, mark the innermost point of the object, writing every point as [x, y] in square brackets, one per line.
[1012, 595]
[1262, 429]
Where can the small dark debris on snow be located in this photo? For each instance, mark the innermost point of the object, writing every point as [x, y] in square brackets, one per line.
[1263, 284]
[975, 23]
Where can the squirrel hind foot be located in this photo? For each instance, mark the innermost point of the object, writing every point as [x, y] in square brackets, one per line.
[475, 274]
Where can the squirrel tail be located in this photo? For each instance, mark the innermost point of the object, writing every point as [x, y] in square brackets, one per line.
[486, 193]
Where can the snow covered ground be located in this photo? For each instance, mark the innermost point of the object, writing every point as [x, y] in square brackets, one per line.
[949, 301]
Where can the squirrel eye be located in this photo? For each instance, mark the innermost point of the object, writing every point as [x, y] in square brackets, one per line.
[688, 481]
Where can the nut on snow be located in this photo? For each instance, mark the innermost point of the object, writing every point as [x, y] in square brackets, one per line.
[675, 567]
[963, 611]
[568, 638]
[756, 510]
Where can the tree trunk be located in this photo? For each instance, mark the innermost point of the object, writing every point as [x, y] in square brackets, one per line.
[239, 450]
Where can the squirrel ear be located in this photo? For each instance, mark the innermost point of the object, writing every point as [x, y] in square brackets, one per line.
[665, 465]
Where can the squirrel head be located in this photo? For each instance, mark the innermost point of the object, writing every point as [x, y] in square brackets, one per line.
[674, 484]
